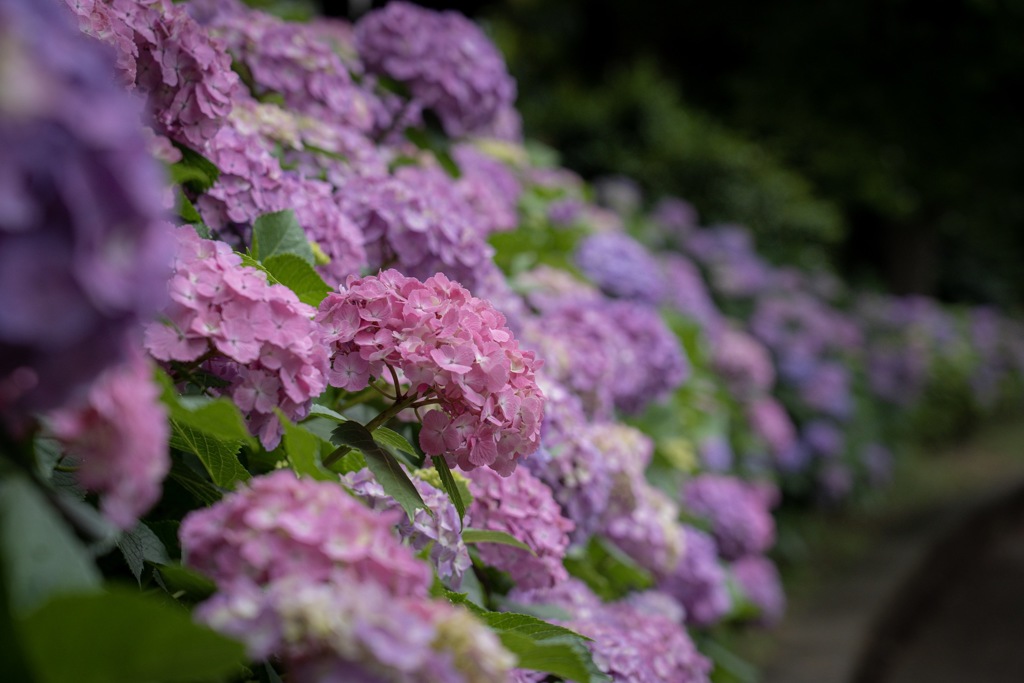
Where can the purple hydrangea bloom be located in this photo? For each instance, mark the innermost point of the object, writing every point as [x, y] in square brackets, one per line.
[184, 72]
[619, 193]
[352, 630]
[769, 421]
[686, 293]
[738, 512]
[743, 363]
[418, 222]
[84, 253]
[825, 439]
[436, 525]
[570, 464]
[827, 390]
[296, 61]
[489, 186]
[675, 217]
[727, 252]
[445, 60]
[522, 506]
[621, 267]
[625, 366]
[699, 582]
[759, 580]
[716, 453]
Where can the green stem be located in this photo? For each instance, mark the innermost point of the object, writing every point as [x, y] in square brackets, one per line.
[341, 451]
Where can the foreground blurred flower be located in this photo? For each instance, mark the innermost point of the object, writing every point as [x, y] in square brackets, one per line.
[118, 440]
[759, 580]
[738, 511]
[83, 251]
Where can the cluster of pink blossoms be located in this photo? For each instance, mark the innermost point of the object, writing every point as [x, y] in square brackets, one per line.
[523, 507]
[256, 336]
[450, 347]
[118, 436]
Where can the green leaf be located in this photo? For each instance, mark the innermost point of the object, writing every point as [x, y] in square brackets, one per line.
[352, 461]
[398, 446]
[565, 657]
[203, 491]
[194, 170]
[220, 457]
[279, 233]
[489, 536]
[40, 554]
[607, 570]
[526, 625]
[187, 210]
[297, 275]
[450, 487]
[219, 418]
[318, 410]
[463, 599]
[141, 545]
[303, 450]
[124, 637]
[386, 469]
[183, 582]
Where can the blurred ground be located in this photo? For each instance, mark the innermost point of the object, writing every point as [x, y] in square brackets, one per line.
[923, 584]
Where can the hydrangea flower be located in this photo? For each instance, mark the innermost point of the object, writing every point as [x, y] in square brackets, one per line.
[621, 267]
[436, 525]
[570, 464]
[296, 61]
[675, 217]
[758, 578]
[278, 526]
[738, 512]
[445, 60]
[825, 439]
[118, 439]
[418, 222]
[451, 348]
[257, 337]
[698, 581]
[773, 425]
[83, 246]
[522, 506]
[489, 186]
[744, 364]
[686, 293]
[185, 73]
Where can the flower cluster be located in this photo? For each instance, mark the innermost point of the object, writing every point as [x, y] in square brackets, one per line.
[523, 507]
[444, 59]
[436, 525]
[738, 512]
[118, 439]
[83, 247]
[257, 337]
[451, 348]
[699, 582]
[417, 221]
[621, 267]
[307, 574]
[184, 72]
[743, 363]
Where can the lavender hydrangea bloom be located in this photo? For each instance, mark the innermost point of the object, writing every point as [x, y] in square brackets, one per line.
[676, 217]
[521, 505]
[716, 453]
[727, 252]
[489, 186]
[744, 363]
[825, 439]
[84, 255]
[772, 424]
[418, 222]
[436, 525]
[699, 581]
[445, 60]
[686, 293]
[827, 390]
[759, 580]
[737, 511]
[621, 267]
[570, 464]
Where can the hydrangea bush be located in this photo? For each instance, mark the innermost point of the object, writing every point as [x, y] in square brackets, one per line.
[318, 390]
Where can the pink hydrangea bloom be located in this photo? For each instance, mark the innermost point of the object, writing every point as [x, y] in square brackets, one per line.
[279, 526]
[449, 346]
[738, 511]
[119, 438]
[260, 338]
[744, 363]
[522, 506]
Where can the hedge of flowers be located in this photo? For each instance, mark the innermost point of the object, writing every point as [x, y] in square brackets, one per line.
[313, 369]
